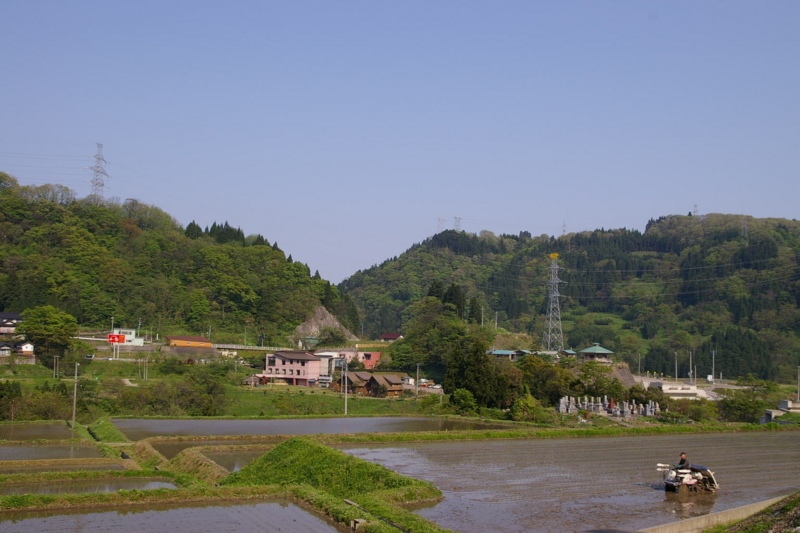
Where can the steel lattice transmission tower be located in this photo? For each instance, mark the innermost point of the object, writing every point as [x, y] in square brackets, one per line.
[553, 335]
[98, 184]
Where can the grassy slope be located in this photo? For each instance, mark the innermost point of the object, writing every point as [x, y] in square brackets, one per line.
[302, 461]
[324, 477]
[780, 517]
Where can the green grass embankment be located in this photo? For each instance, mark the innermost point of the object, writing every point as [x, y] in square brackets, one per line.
[780, 517]
[376, 489]
[103, 430]
[192, 462]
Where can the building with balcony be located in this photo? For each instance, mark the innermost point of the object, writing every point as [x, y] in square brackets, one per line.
[292, 367]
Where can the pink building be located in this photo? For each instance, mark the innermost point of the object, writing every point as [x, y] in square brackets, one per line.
[369, 359]
[295, 368]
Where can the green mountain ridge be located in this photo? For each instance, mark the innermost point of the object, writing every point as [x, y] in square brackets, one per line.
[726, 284]
[96, 260]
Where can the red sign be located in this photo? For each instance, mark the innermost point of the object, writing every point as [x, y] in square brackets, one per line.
[116, 338]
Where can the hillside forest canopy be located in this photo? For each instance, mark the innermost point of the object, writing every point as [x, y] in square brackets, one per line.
[719, 290]
[96, 259]
[718, 287]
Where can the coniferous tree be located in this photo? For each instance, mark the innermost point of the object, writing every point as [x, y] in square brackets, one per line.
[193, 230]
[455, 296]
[436, 289]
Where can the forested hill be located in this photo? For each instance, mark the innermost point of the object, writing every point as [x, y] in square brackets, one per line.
[96, 259]
[717, 282]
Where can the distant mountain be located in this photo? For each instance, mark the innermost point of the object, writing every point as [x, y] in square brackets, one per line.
[133, 262]
[686, 284]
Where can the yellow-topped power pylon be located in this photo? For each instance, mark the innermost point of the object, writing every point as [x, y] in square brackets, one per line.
[553, 338]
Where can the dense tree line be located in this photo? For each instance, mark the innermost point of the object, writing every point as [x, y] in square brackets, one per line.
[681, 286]
[94, 260]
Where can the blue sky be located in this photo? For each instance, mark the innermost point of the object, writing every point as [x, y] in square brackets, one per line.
[344, 130]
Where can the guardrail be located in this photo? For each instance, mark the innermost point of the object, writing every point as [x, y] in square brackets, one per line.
[258, 348]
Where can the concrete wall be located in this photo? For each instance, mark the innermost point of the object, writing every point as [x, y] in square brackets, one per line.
[698, 524]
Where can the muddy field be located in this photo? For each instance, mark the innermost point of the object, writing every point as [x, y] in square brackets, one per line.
[137, 429]
[271, 517]
[578, 484]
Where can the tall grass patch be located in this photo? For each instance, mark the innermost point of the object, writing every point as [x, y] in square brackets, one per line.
[302, 461]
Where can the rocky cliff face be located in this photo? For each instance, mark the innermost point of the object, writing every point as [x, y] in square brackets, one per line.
[319, 320]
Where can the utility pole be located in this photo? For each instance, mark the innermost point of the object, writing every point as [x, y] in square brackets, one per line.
[416, 383]
[112, 325]
[690, 367]
[640, 365]
[55, 367]
[798, 384]
[676, 366]
[75, 395]
[344, 378]
[713, 362]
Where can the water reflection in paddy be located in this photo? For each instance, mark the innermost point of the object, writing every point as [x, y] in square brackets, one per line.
[68, 467]
[36, 452]
[170, 449]
[80, 487]
[578, 484]
[35, 431]
[270, 517]
[137, 429]
[233, 461]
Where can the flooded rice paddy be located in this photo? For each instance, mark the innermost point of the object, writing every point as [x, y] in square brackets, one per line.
[57, 431]
[170, 449]
[47, 466]
[137, 429]
[34, 452]
[268, 517]
[86, 486]
[234, 461]
[579, 484]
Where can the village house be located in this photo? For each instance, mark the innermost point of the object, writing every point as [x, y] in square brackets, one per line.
[356, 383]
[377, 385]
[368, 359]
[9, 322]
[385, 385]
[292, 367]
[597, 353]
[22, 351]
[391, 337]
